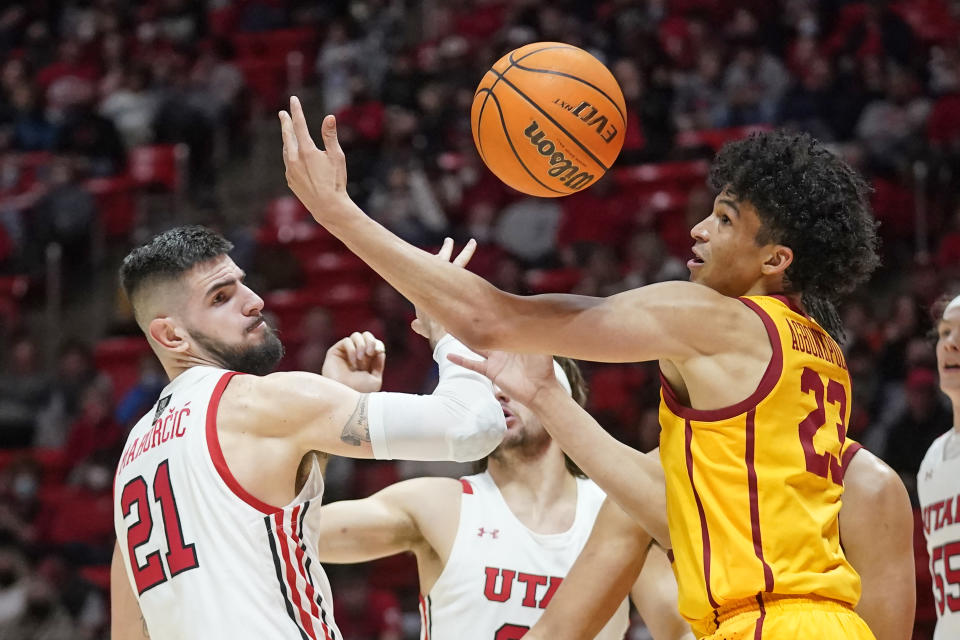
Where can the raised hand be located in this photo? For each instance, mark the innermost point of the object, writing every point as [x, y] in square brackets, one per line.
[521, 376]
[317, 177]
[425, 325]
[356, 361]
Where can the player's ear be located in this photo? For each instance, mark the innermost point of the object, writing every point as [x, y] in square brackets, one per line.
[777, 262]
[165, 332]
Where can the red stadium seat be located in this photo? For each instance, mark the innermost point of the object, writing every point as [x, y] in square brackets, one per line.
[553, 280]
[665, 174]
[159, 165]
[349, 304]
[119, 358]
[337, 267]
[98, 575]
[116, 198]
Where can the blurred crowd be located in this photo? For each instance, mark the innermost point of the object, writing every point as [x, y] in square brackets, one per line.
[84, 83]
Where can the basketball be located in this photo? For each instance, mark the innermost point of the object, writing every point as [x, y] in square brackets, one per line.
[548, 119]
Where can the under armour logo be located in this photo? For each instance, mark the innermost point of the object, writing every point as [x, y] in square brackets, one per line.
[928, 474]
[494, 533]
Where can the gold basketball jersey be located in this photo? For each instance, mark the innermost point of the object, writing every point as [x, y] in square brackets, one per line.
[753, 490]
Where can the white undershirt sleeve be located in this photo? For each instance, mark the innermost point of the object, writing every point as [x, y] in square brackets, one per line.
[461, 420]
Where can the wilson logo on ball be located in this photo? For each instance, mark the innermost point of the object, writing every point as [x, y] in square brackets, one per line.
[592, 116]
[562, 168]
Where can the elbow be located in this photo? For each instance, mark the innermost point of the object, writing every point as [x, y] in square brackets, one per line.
[479, 332]
[480, 435]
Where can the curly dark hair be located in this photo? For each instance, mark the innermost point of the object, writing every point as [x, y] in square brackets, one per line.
[812, 201]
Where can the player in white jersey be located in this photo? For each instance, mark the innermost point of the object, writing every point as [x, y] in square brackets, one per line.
[876, 529]
[493, 548]
[938, 481]
[212, 535]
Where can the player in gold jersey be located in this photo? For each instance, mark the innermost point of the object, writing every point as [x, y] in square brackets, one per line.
[756, 392]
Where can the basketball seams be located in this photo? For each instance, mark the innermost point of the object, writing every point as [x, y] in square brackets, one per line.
[580, 80]
[559, 126]
[513, 149]
[489, 89]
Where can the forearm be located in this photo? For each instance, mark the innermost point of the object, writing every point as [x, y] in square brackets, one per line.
[460, 421]
[464, 303]
[599, 580]
[354, 531]
[632, 479]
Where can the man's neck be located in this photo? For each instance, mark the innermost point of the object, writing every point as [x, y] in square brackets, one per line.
[540, 491]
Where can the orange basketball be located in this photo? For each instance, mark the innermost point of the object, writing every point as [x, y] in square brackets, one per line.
[548, 119]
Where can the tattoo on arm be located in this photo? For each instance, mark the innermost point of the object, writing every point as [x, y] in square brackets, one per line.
[357, 429]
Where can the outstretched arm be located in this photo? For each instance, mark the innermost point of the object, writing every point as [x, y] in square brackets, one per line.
[876, 529]
[599, 580]
[461, 420]
[618, 560]
[655, 596]
[632, 479]
[635, 326]
[379, 526]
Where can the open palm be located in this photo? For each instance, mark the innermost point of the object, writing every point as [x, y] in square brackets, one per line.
[520, 375]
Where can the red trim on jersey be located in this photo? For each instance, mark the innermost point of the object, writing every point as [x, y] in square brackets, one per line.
[758, 630]
[311, 593]
[467, 487]
[704, 533]
[424, 623]
[767, 382]
[755, 501]
[305, 619]
[790, 305]
[848, 458]
[216, 453]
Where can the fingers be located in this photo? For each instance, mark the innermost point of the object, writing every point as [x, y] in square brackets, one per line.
[419, 328]
[328, 132]
[350, 349]
[366, 349]
[290, 148]
[446, 250]
[300, 128]
[480, 366]
[464, 257]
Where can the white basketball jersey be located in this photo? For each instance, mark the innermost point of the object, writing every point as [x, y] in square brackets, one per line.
[938, 487]
[205, 558]
[501, 575]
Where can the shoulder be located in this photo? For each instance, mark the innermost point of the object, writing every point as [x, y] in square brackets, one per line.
[706, 320]
[277, 403]
[871, 483]
[934, 451]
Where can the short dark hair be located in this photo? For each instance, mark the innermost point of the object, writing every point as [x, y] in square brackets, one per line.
[812, 201]
[169, 255]
[579, 390]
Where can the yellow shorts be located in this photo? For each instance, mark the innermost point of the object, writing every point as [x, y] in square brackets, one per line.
[790, 618]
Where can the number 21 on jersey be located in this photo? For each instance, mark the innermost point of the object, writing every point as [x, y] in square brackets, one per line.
[180, 555]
